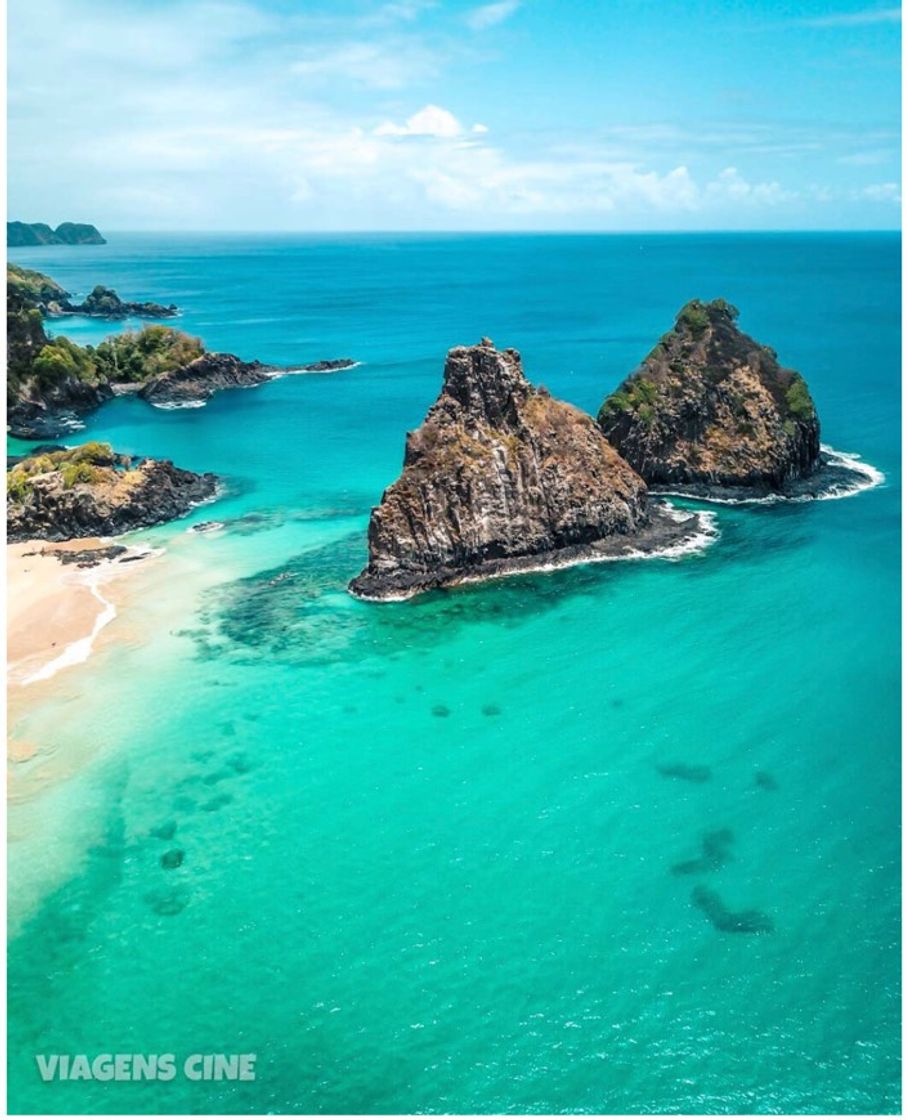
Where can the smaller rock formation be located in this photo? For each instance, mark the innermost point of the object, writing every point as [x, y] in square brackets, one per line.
[327, 365]
[104, 303]
[90, 491]
[499, 478]
[710, 412]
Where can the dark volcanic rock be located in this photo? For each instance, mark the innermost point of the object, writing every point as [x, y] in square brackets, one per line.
[711, 412]
[104, 303]
[203, 378]
[328, 365]
[59, 498]
[47, 412]
[499, 478]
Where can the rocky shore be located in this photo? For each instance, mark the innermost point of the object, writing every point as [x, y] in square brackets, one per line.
[92, 491]
[502, 478]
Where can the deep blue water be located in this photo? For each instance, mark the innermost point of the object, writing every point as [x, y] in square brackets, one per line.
[472, 912]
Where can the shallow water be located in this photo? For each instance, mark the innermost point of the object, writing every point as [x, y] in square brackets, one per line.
[430, 849]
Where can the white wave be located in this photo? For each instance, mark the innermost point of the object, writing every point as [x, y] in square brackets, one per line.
[864, 477]
[707, 533]
[170, 406]
[306, 369]
[80, 650]
[870, 476]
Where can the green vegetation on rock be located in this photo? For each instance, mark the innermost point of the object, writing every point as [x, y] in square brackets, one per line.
[139, 355]
[798, 399]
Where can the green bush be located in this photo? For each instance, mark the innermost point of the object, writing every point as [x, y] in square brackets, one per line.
[693, 315]
[138, 355]
[61, 359]
[17, 485]
[797, 397]
[73, 473]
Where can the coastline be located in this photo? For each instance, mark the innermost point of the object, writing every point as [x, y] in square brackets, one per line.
[673, 534]
[56, 614]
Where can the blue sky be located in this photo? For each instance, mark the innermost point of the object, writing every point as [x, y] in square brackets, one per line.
[422, 115]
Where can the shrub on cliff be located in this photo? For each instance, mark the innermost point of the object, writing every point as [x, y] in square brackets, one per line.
[138, 355]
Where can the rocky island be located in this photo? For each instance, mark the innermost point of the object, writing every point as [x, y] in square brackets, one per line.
[101, 303]
[501, 478]
[53, 382]
[19, 234]
[89, 491]
[711, 413]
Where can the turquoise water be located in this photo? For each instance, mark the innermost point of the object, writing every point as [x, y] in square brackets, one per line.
[429, 849]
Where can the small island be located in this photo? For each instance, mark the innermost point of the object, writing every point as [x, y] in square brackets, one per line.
[101, 303]
[710, 413]
[61, 494]
[20, 234]
[52, 382]
[502, 478]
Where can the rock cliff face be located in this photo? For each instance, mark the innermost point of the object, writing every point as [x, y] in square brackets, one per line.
[91, 491]
[500, 477]
[711, 412]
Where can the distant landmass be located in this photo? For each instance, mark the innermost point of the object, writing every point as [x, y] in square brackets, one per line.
[19, 234]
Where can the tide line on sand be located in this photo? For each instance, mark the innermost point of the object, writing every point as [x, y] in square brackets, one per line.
[80, 650]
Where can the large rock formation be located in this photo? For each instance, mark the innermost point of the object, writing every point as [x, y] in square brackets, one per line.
[91, 491]
[500, 477]
[711, 412]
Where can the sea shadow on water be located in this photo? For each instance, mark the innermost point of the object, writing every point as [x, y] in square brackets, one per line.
[715, 849]
[730, 921]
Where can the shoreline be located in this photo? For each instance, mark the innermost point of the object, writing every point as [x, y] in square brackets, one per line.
[674, 533]
[841, 474]
[57, 610]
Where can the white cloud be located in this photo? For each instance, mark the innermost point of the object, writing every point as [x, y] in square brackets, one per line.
[867, 159]
[882, 192]
[488, 15]
[855, 19]
[431, 120]
[730, 186]
[391, 64]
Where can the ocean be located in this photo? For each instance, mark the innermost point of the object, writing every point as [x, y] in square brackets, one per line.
[473, 852]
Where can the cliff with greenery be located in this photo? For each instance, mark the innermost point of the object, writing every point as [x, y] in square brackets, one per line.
[62, 494]
[710, 409]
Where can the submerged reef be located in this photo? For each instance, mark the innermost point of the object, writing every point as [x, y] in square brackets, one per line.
[730, 921]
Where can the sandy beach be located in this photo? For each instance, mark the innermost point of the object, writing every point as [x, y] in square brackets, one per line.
[56, 612]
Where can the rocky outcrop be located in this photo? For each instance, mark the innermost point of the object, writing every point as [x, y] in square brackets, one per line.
[710, 412]
[20, 234]
[201, 379]
[90, 491]
[104, 303]
[499, 478]
[326, 365]
[48, 411]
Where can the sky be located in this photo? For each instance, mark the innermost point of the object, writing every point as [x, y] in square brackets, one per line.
[435, 115]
